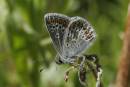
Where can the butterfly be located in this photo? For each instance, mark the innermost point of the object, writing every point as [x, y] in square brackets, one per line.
[71, 36]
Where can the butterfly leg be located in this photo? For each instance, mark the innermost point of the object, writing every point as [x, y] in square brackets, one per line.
[82, 71]
[96, 69]
[59, 62]
[67, 73]
[70, 61]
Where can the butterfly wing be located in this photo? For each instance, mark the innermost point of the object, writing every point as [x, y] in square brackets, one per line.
[79, 36]
[56, 25]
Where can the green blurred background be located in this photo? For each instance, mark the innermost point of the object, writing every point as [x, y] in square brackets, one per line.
[26, 47]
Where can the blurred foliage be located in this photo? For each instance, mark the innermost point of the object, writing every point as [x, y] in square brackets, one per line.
[25, 45]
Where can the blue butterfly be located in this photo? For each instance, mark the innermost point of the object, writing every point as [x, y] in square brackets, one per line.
[71, 36]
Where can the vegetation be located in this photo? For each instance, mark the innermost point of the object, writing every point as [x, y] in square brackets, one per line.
[26, 47]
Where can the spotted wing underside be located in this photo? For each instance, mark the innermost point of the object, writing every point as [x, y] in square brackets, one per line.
[79, 36]
[56, 25]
